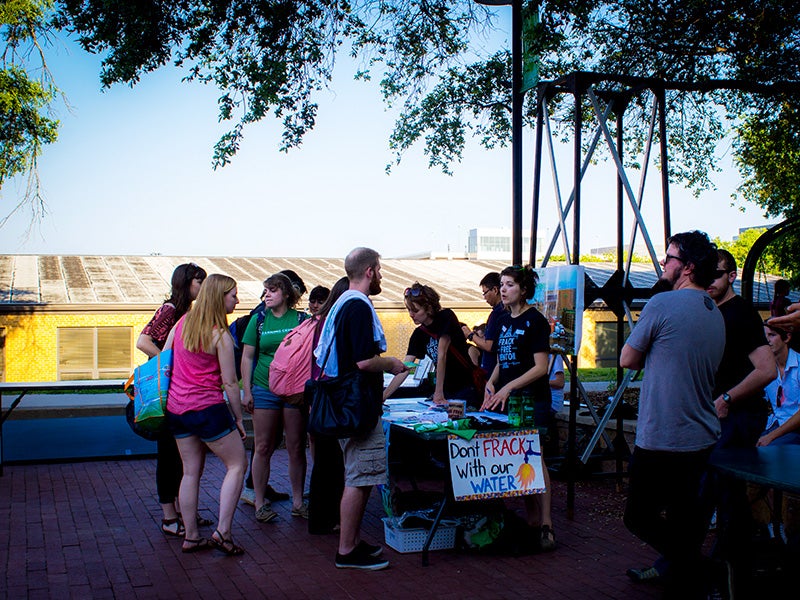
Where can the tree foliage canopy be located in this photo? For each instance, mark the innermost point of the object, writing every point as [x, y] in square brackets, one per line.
[24, 99]
[273, 57]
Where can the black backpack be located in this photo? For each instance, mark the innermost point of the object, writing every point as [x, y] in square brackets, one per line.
[237, 329]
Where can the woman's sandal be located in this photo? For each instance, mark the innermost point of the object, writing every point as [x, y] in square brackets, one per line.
[201, 522]
[173, 527]
[196, 545]
[226, 546]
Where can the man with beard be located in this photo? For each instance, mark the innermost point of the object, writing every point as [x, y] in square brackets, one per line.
[747, 366]
[352, 338]
[678, 340]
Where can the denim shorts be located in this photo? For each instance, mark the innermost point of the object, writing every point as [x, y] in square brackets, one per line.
[209, 424]
[265, 399]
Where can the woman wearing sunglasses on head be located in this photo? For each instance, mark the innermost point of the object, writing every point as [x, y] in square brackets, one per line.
[523, 349]
[439, 336]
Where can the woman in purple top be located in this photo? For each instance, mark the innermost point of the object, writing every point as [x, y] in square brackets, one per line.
[186, 280]
[202, 366]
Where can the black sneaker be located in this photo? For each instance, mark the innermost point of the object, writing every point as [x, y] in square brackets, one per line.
[273, 496]
[369, 549]
[357, 559]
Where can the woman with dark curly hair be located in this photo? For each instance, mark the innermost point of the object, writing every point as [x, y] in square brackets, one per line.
[186, 280]
[267, 408]
[523, 350]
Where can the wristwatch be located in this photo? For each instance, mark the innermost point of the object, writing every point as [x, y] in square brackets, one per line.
[470, 336]
[726, 397]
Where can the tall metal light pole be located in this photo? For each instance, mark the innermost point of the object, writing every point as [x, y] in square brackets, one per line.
[517, 96]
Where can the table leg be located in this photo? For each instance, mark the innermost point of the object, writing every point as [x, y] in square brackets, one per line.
[432, 532]
[3, 417]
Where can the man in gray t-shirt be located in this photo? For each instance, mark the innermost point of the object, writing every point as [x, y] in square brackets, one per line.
[678, 340]
[681, 335]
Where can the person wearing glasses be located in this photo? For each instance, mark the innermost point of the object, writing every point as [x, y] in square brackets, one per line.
[186, 281]
[783, 425]
[439, 336]
[484, 340]
[523, 351]
[679, 341]
[747, 366]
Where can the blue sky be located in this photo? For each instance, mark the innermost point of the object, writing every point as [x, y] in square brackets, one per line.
[131, 174]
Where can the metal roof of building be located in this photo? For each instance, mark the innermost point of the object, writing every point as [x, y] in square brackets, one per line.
[145, 280]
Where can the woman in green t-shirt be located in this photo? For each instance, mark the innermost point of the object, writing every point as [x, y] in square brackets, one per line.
[268, 409]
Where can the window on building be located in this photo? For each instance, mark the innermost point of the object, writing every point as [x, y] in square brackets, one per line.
[605, 337]
[493, 243]
[94, 353]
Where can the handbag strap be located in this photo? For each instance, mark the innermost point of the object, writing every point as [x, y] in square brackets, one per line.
[328, 353]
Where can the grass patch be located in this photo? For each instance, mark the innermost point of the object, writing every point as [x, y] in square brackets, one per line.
[604, 374]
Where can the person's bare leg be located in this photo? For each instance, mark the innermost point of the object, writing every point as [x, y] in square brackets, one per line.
[265, 430]
[538, 505]
[295, 429]
[351, 513]
[230, 450]
[193, 455]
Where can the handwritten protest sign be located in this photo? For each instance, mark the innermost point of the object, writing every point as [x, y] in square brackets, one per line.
[497, 464]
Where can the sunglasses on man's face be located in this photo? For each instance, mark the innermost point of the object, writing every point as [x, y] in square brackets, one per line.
[720, 273]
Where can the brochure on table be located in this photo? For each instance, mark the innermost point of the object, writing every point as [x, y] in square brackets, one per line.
[418, 374]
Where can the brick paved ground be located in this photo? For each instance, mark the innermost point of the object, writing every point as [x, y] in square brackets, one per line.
[91, 530]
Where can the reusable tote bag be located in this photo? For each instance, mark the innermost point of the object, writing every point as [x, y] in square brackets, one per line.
[149, 391]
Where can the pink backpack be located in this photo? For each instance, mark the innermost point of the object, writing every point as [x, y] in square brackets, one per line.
[291, 367]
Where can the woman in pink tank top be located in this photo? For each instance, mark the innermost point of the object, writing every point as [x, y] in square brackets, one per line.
[202, 366]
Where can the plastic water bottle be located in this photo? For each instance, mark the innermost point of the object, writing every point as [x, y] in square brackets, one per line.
[514, 411]
[527, 411]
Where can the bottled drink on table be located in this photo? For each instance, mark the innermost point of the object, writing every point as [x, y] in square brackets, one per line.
[515, 411]
[527, 412]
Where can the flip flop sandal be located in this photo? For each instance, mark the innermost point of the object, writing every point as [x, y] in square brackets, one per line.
[226, 546]
[173, 527]
[197, 545]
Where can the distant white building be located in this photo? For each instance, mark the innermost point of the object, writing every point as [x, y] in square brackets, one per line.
[486, 243]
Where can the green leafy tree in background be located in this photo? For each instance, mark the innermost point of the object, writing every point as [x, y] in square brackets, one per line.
[272, 58]
[740, 247]
[769, 159]
[25, 124]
